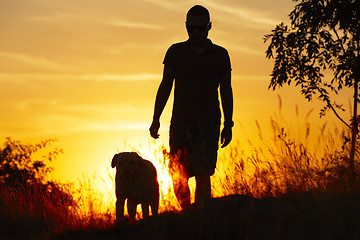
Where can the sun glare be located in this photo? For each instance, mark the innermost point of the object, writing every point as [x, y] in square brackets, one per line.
[102, 183]
[101, 188]
[158, 155]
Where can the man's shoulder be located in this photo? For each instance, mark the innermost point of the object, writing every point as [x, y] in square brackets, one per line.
[179, 46]
[218, 48]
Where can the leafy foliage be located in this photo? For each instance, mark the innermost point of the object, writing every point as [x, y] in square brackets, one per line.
[17, 165]
[323, 38]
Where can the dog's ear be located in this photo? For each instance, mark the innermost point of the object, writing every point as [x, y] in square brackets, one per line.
[115, 160]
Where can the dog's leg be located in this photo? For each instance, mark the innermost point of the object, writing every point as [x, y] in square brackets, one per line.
[131, 206]
[120, 202]
[154, 208]
[155, 201]
[145, 209]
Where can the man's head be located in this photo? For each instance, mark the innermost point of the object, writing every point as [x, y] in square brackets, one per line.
[198, 24]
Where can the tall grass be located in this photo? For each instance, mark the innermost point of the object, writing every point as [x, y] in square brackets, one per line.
[35, 209]
[287, 165]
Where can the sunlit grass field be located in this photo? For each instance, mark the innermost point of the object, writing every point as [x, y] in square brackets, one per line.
[279, 183]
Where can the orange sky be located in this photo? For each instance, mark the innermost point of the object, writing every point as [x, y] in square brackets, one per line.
[86, 71]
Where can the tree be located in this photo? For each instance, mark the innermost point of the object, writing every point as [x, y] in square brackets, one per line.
[323, 40]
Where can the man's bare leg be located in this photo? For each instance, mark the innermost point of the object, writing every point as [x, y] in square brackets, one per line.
[203, 189]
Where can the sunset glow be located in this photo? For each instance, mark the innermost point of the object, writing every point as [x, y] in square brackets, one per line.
[86, 72]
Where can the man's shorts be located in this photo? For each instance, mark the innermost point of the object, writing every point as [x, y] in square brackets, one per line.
[194, 146]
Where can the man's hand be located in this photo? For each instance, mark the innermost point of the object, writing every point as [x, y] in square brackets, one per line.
[154, 129]
[226, 136]
[227, 106]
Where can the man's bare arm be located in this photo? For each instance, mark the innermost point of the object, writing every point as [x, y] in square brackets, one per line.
[226, 95]
[162, 97]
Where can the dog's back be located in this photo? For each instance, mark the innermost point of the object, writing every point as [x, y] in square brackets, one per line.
[144, 182]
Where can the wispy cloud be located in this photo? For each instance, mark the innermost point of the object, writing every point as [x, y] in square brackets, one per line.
[85, 77]
[251, 78]
[130, 24]
[246, 50]
[169, 4]
[35, 61]
[123, 77]
[249, 15]
[89, 19]
[55, 17]
[115, 126]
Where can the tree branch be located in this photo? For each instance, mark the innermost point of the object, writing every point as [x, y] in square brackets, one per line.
[333, 109]
[337, 35]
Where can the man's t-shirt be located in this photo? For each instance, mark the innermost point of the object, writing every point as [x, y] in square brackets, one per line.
[197, 79]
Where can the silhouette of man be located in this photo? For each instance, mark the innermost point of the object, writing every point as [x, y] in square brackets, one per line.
[198, 67]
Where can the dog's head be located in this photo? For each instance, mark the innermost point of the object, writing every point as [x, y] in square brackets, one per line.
[126, 159]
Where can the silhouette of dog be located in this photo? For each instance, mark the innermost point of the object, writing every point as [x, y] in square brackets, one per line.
[136, 181]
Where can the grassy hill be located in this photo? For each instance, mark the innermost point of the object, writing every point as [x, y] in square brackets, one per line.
[311, 215]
